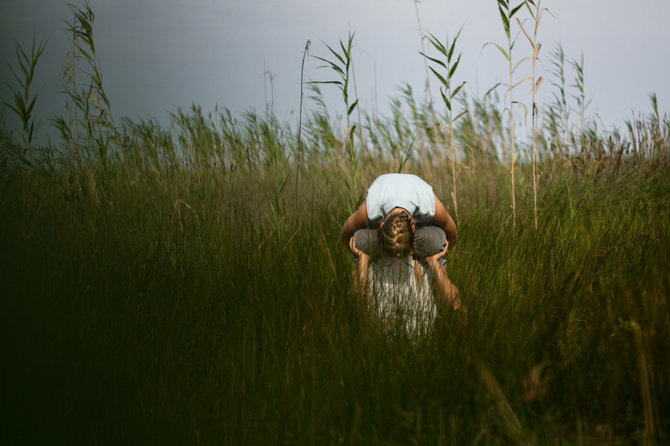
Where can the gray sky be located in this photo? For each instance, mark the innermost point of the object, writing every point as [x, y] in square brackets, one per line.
[157, 55]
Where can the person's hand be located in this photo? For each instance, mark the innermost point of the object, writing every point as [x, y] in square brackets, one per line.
[435, 258]
[355, 251]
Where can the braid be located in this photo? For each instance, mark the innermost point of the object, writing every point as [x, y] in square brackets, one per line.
[398, 235]
[412, 232]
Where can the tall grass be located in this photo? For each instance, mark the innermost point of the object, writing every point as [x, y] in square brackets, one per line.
[558, 112]
[24, 100]
[172, 308]
[341, 66]
[507, 12]
[448, 65]
[536, 15]
[172, 291]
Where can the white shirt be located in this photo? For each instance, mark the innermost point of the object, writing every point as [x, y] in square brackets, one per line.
[396, 293]
[406, 191]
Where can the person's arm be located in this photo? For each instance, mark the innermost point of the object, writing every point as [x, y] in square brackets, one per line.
[357, 220]
[446, 291]
[361, 269]
[444, 221]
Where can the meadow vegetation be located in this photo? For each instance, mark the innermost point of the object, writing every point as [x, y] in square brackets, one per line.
[184, 282]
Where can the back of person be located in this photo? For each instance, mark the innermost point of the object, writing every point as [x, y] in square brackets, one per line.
[400, 220]
[394, 190]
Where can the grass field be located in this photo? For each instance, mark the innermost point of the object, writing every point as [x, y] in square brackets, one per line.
[185, 283]
[160, 306]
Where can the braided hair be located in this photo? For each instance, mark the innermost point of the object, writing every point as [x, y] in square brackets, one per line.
[398, 235]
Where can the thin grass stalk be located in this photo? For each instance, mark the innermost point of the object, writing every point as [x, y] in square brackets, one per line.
[75, 109]
[650, 434]
[580, 98]
[266, 74]
[449, 65]
[358, 109]
[508, 419]
[425, 65]
[299, 155]
[559, 113]
[536, 14]
[302, 72]
[341, 66]
[507, 13]
[431, 108]
[411, 103]
[511, 133]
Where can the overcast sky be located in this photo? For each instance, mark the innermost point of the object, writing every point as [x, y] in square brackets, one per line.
[157, 55]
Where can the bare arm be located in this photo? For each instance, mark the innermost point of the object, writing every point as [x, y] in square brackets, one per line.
[361, 269]
[357, 220]
[444, 221]
[446, 291]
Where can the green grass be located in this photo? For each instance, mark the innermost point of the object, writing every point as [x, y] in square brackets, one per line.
[168, 308]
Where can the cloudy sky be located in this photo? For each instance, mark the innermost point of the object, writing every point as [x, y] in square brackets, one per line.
[157, 55]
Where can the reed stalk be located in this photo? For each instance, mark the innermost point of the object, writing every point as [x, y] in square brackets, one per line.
[507, 13]
[425, 65]
[580, 98]
[448, 65]
[300, 158]
[645, 366]
[558, 113]
[92, 103]
[341, 67]
[23, 102]
[536, 15]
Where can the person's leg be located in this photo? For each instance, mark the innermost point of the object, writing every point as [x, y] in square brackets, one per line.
[429, 240]
[367, 240]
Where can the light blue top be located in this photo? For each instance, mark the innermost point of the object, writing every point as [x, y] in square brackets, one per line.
[406, 191]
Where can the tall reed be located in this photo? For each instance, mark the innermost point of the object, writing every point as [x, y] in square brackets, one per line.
[536, 15]
[507, 13]
[341, 67]
[93, 109]
[448, 93]
[24, 99]
[425, 65]
[558, 112]
[580, 95]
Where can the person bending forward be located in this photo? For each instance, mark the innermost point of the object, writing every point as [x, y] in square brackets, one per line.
[401, 218]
